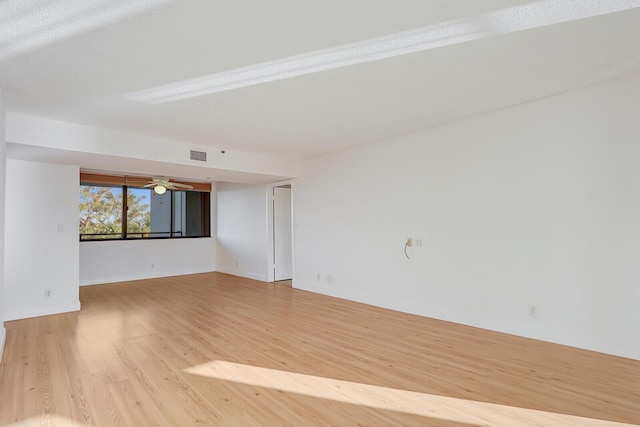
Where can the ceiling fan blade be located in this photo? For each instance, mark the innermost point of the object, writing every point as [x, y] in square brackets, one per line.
[171, 186]
[178, 185]
[153, 184]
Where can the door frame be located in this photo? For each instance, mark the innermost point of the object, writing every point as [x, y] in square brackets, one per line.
[270, 225]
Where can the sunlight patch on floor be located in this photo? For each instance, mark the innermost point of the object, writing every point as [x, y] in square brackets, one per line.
[410, 402]
[47, 420]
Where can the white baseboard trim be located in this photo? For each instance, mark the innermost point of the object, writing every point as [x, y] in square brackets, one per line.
[3, 340]
[316, 289]
[132, 278]
[254, 276]
[41, 311]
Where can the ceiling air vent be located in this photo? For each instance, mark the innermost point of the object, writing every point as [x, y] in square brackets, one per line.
[199, 155]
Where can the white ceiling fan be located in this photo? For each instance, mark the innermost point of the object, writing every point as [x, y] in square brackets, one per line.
[161, 184]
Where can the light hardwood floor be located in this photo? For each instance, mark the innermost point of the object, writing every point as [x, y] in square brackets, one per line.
[213, 349]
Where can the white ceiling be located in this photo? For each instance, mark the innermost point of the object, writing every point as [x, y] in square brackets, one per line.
[77, 60]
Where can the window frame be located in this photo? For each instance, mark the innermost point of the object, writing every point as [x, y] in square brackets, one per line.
[124, 183]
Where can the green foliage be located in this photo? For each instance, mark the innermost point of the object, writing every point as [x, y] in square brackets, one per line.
[138, 215]
[101, 212]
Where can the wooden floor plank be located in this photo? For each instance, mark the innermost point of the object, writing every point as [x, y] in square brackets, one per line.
[214, 349]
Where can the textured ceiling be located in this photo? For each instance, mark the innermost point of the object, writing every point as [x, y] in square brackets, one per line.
[77, 61]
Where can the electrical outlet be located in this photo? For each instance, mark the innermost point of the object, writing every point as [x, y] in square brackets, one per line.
[318, 276]
[409, 242]
[47, 294]
[533, 311]
[418, 242]
[153, 265]
[329, 278]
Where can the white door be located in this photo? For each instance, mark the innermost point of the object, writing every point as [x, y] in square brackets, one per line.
[282, 233]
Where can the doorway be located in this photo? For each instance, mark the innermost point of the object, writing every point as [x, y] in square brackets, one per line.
[282, 236]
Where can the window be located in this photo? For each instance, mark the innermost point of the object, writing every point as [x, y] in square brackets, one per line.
[100, 212]
[109, 211]
[138, 213]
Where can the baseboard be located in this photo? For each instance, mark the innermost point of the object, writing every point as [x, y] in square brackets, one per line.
[131, 278]
[41, 311]
[317, 289]
[254, 276]
[3, 339]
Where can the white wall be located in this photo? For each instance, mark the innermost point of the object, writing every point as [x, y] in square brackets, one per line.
[533, 205]
[117, 261]
[3, 156]
[242, 230]
[116, 150]
[41, 239]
